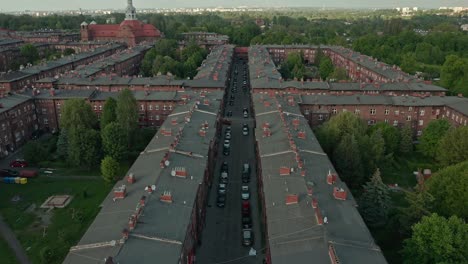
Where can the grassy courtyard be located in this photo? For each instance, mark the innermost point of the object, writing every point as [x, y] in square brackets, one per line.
[6, 253]
[47, 235]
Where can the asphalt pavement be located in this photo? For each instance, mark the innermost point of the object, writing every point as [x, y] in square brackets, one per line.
[222, 236]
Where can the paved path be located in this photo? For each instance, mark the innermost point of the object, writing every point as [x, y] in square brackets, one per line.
[10, 238]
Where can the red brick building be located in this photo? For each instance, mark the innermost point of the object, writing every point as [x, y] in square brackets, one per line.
[130, 31]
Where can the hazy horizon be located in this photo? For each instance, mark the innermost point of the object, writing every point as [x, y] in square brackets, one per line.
[21, 5]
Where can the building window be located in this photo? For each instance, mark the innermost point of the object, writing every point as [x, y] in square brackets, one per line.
[387, 111]
[156, 107]
[150, 107]
[372, 111]
[397, 112]
[3, 127]
[421, 122]
[371, 122]
[334, 110]
[150, 117]
[44, 111]
[142, 107]
[344, 110]
[46, 121]
[408, 118]
[419, 133]
[320, 117]
[437, 111]
[410, 109]
[386, 121]
[395, 123]
[422, 112]
[100, 108]
[164, 107]
[357, 111]
[95, 108]
[306, 112]
[170, 107]
[157, 117]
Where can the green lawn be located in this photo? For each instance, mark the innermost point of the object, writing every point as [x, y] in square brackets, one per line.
[402, 168]
[6, 253]
[64, 226]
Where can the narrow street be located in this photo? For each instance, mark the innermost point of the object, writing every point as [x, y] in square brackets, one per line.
[222, 238]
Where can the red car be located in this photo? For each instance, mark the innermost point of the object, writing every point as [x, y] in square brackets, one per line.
[19, 163]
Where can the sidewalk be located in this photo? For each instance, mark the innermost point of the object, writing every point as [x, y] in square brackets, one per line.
[13, 242]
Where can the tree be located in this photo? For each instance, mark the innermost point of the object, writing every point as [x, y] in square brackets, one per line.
[109, 112]
[432, 134]
[34, 152]
[409, 63]
[325, 68]
[348, 160]
[453, 147]
[127, 113]
[437, 240]
[109, 169]
[375, 201]
[377, 149]
[390, 135]
[76, 113]
[406, 139]
[68, 51]
[339, 74]
[420, 203]
[30, 53]
[62, 144]
[114, 141]
[449, 187]
[84, 147]
[318, 56]
[454, 74]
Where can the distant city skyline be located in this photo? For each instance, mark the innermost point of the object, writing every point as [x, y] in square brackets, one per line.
[55, 5]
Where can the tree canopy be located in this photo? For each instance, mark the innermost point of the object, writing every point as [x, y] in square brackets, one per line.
[375, 201]
[109, 112]
[432, 134]
[127, 113]
[437, 240]
[453, 147]
[114, 141]
[76, 113]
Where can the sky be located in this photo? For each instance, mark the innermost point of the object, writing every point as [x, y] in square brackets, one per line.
[20, 5]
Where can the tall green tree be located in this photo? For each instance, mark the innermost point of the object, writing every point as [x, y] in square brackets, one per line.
[62, 144]
[406, 139]
[325, 68]
[454, 74]
[84, 147]
[437, 240]
[432, 134]
[390, 134]
[377, 149]
[339, 74]
[109, 112]
[453, 147]
[375, 201]
[76, 113]
[114, 141]
[348, 160]
[449, 187]
[34, 152]
[30, 53]
[127, 113]
[420, 203]
[109, 169]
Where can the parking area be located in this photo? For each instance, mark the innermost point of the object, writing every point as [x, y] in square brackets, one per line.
[233, 212]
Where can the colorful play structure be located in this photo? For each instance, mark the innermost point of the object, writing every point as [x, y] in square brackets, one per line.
[14, 180]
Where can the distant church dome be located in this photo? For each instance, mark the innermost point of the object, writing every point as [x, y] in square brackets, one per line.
[93, 23]
[84, 23]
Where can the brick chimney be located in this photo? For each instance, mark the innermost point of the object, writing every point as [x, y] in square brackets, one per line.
[131, 178]
[284, 171]
[52, 92]
[301, 134]
[339, 193]
[120, 192]
[174, 121]
[331, 178]
[179, 172]
[166, 197]
[202, 132]
[292, 199]
[266, 132]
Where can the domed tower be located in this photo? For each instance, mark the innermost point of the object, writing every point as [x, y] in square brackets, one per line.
[130, 13]
[84, 30]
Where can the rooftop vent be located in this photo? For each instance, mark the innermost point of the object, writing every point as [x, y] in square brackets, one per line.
[166, 197]
[131, 178]
[284, 171]
[292, 199]
[339, 193]
[331, 178]
[179, 172]
[120, 192]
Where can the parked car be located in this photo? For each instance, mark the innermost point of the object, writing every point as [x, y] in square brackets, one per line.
[28, 173]
[221, 201]
[225, 167]
[245, 208]
[229, 114]
[246, 222]
[245, 192]
[247, 237]
[226, 151]
[227, 136]
[221, 189]
[246, 173]
[18, 163]
[8, 173]
[223, 177]
[245, 129]
[227, 143]
[228, 129]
